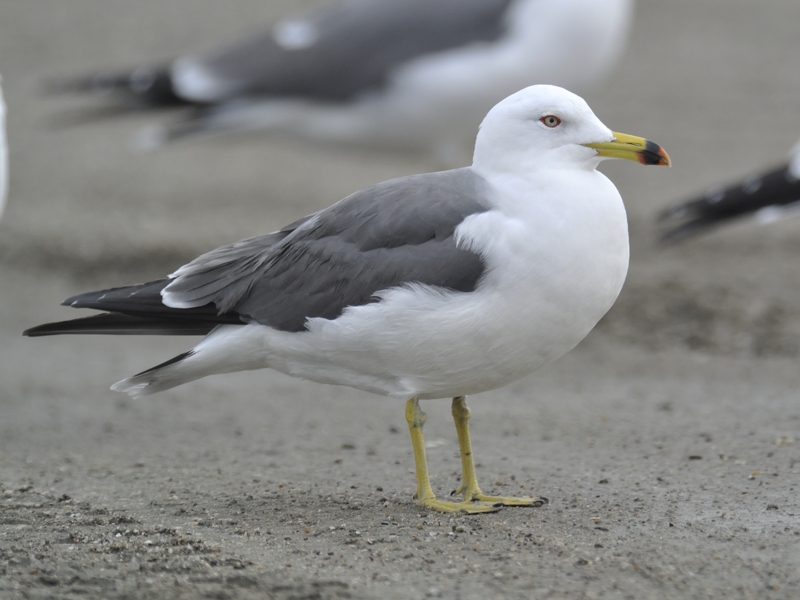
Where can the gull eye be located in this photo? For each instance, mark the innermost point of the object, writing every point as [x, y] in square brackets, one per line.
[551, 121]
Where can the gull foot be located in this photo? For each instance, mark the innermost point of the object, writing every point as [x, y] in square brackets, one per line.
[505, 500]
[469, 507]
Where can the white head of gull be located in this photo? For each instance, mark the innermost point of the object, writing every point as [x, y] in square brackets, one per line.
[430, 286]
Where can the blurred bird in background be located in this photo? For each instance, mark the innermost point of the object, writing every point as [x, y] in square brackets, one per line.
[772, 195]
[412, 75]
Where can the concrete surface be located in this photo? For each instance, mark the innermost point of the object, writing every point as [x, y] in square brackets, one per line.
[667, 442]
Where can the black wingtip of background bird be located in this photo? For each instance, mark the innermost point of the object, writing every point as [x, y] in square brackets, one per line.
[777, 188]
[144, 86]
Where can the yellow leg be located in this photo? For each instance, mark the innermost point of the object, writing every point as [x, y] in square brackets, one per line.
[469, 482]
[416, 421]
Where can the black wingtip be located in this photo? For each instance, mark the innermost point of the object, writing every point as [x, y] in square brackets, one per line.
[49, 329]
[147, 86]
[776, 188]
[118, 324]
[33, 332]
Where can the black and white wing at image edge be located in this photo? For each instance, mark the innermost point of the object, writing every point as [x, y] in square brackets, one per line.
[396, 74]
[767, 197]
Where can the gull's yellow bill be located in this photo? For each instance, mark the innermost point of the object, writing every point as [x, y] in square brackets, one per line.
[632, 147]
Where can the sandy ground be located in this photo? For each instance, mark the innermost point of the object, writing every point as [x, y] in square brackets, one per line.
[668, 442]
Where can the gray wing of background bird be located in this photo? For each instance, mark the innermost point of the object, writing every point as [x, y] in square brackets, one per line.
[329, 54]
[338, 52]
[395, 233]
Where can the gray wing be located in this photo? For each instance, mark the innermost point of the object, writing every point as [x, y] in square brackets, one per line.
[337, 52]
[394, 233]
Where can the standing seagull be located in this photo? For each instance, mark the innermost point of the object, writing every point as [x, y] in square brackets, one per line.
[428, 286]
[405, 74]
[770, 196]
